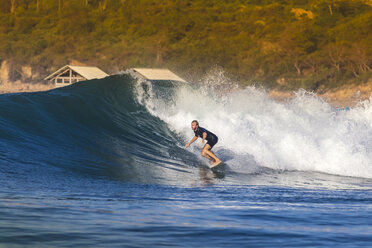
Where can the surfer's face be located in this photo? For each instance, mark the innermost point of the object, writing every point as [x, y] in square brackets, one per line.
[194, 126]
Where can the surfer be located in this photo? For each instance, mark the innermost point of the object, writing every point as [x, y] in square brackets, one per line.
[211, 138]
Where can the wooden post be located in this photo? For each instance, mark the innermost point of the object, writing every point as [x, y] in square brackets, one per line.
[70, 76]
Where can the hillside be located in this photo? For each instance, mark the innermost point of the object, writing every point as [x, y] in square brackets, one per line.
[311, 44]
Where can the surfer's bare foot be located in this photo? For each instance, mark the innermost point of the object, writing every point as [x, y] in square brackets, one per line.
[217, 162]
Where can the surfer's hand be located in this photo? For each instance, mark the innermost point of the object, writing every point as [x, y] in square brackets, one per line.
[187, 145]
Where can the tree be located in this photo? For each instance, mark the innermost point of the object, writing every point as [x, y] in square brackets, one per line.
[361, 61]
[337, 55]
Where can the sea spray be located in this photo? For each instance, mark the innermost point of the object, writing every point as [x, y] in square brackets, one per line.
[303, 134]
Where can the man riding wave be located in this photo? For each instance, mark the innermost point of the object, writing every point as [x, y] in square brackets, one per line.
[211, 138]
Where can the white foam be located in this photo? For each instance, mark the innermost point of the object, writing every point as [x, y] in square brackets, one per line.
[305, 134]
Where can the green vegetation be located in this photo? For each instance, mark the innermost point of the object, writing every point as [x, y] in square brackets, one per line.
[284, 44]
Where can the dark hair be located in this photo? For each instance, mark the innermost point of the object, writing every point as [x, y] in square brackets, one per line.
[195, 121]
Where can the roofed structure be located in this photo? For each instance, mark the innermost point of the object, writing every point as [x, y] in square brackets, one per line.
[157, 74]
[70, 74]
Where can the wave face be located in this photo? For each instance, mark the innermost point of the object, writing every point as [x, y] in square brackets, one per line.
[134, 130]
[94, 128]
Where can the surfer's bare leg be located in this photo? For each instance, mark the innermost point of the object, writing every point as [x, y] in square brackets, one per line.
[208, 157]
[207, 153]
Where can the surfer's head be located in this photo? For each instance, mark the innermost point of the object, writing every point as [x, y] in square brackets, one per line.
[194, 125]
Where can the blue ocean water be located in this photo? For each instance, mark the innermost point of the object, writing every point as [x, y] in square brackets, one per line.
[102, 164]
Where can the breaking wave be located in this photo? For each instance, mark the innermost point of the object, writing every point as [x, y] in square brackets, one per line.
[135, 130]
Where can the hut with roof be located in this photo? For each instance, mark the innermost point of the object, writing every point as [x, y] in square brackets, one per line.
[70, 74]
[157, 74]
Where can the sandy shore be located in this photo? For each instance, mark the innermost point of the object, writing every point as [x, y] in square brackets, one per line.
[345, 96]
[18, 86]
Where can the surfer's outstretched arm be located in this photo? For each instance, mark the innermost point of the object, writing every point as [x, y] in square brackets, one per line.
[191, 141]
